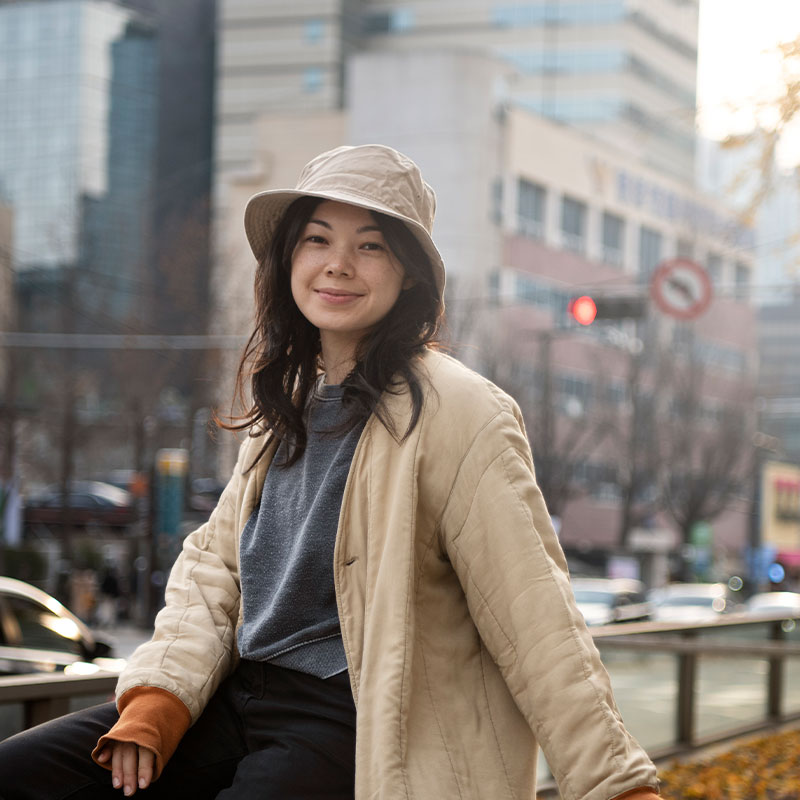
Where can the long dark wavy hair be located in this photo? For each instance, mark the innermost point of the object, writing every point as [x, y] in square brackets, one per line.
[281, 360]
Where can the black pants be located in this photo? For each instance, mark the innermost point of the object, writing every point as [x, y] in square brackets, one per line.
[268, 733]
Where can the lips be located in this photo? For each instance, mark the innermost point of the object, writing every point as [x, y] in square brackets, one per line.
[336, 296]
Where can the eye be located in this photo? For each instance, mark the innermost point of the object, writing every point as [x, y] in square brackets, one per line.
[372, 246]
[315, 238]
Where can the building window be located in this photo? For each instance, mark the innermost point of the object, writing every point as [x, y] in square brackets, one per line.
[494, 285]
[714, 268]
[573, 224]
[615, 393]
[742, 281]
[312, 79]
[315, 31]
[565, 109]
[613, 239]
[601, 479]
[574, 394]
[496, 200]
[684, 249]
[531, 199]
[377, 23]
[649, 250]
[682, 93]
[383, 22]
[683, 337]
[575, 13]
[544, 295]
[402, 19]
[535, 60]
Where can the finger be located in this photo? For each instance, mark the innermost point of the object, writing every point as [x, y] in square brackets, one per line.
[130, 767]
[103, 755]
[116, 765]
[146, 764]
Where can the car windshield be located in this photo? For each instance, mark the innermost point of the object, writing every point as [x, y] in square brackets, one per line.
[590, 596]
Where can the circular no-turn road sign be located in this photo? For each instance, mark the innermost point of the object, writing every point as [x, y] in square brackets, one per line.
[681, 288]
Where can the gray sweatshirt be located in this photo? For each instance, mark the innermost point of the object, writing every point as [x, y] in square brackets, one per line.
[290, 614]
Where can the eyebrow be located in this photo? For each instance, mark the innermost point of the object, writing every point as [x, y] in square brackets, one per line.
[363, 229]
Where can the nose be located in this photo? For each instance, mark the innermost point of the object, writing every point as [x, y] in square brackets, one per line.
[339, 264]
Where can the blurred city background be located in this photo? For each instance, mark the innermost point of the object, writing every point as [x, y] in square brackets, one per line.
[618, 209]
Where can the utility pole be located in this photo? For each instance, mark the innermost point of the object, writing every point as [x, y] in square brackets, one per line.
[8, 404]
[547, 431]
[68, 416]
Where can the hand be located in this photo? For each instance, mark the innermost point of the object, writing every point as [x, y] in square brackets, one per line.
[131, 765]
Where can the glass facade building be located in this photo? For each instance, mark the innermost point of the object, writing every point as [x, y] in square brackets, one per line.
[77, 139]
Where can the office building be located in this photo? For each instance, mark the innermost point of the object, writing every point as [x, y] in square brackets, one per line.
[78, 106]
[621, 71]
[181, 203]
[77, 143]
[779, 384]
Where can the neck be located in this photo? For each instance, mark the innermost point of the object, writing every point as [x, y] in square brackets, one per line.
[338, 359]
[336, 374]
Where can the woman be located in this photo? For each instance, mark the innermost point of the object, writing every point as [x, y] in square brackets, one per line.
[381, 546]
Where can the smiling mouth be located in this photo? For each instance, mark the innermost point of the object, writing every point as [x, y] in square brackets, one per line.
[336, 295]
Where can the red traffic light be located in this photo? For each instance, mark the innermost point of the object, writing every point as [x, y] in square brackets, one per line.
[583, 309]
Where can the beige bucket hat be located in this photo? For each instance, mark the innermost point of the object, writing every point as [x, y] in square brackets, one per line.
[371, 176]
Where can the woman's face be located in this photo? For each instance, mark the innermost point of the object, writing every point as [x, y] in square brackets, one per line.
[344, 277]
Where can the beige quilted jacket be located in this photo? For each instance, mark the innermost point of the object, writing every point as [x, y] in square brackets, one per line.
[464, 645]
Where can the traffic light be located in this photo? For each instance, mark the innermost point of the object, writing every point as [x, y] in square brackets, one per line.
[585, 309]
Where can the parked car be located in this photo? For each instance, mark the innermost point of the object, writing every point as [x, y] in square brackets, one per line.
[88, 503]
[773, 603]
[131, 480]
[38, 634]
[607, 600]
[690, 602]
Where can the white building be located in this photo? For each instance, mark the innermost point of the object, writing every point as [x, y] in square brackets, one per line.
[621, 70]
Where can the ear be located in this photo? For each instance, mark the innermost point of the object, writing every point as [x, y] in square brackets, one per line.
[408, 283]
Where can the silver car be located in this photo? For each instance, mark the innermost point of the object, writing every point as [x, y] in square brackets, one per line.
[690, 602]
[38, 634]
[767, 604]
[604, 601]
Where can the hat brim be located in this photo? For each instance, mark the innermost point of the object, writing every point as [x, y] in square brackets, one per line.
[266, 209]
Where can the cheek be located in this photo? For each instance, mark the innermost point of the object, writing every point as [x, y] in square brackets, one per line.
[296, 284]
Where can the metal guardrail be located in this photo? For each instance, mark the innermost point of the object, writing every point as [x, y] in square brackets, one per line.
[682, 641]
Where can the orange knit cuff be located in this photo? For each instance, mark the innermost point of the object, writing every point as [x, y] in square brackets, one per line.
[149, 717]
[642, 793]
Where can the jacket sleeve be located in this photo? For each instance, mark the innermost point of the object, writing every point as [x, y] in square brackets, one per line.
[499, 538]
[192, 645]
[150, 718]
